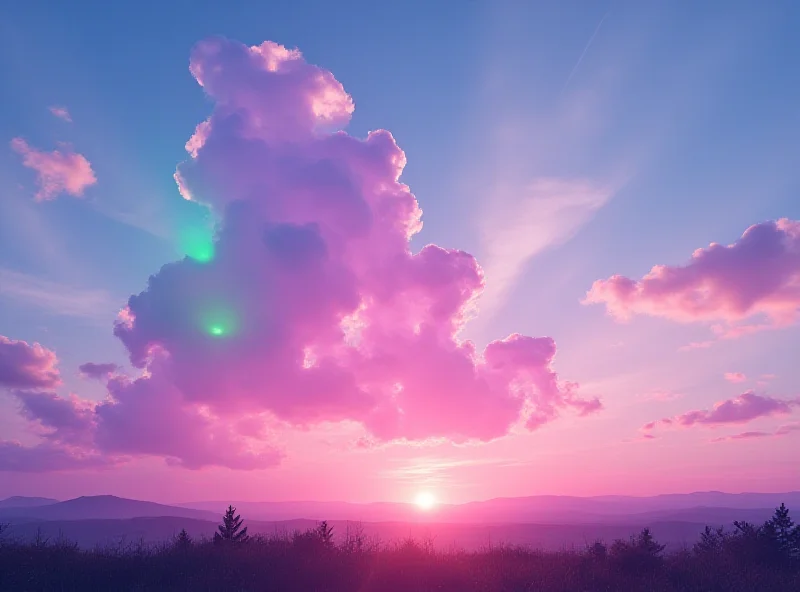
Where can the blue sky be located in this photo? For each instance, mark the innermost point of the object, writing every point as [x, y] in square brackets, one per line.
[681, 118]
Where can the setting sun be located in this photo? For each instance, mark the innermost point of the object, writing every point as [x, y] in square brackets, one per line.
[425, 500]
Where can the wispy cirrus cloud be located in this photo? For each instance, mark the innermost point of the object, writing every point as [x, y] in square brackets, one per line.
[61, 112]
[57, 298]
[523, 223]
[735, 377]
[661, 396]
[439, 470]
[56, 171]
[783, 430]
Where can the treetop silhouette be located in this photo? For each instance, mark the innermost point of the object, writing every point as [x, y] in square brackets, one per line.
[231, 528]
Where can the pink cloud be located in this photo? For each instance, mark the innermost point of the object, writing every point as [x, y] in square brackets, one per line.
[335, 318]
[27, 366]
[97, 371]
[56, 172]
[313, 308]
[661, 396]
[788, 429]
[757, 276]
[45, 457]
[735, 377]
[62, 420]
[781, 431]
[143, 417]
[61, 113]
[744, 436]
[149, 416]
[742, 409]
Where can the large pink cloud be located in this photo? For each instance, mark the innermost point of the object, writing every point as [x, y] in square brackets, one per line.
[313, 307]
[27, 366]
[742, 409]
[56, 172]
[758, 276]
[332, 316]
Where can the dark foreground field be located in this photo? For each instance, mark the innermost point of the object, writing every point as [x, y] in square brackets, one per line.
[748, 559]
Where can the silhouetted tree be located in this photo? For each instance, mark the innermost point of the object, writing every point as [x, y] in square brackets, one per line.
[183, 540]
[597, 551]
[785, 533]
[325, 533]
[641, 554]
[231, 531]
[711, 541]
[648, 545]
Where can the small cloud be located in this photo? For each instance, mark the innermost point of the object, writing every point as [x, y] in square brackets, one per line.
[735, 377]
[56, 172]
[744, 436]
[741, 288]
[781, 431]
[696, 345]
[742, 409]
[642, 437]
[98, 371]
[788, 428]
[27, 366]
[61, 113]
[660, 395]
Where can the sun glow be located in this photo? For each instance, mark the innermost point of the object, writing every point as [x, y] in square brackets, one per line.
[425, 500]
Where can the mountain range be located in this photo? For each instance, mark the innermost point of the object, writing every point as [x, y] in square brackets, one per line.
[541, 521]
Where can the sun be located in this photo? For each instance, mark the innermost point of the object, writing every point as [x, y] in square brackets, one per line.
[425, 500]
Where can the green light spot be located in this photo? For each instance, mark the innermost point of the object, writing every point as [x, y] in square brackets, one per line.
[198, 243]
[219, 321]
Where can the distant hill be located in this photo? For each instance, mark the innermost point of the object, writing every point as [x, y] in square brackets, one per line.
[91, 533]
[707, 507]
[701, 508]
[101, 507]
[19, 501]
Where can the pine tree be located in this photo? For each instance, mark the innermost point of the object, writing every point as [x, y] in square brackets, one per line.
[183, 540]
[784, 531]
[647, 544]
[711, 540]
[231, 531]
[325, 533]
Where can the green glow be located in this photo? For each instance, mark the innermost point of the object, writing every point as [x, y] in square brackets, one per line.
[219, 321]
[198, 243]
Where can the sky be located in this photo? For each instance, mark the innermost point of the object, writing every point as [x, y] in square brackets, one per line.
[363, 251]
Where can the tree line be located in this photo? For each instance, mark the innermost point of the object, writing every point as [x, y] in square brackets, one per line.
[745, 558]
